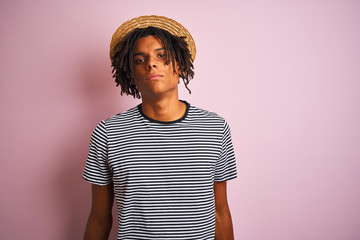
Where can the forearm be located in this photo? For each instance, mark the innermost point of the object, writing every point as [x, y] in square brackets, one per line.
[98, 229]
[223, 226]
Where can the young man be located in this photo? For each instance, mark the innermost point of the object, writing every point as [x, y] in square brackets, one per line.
[165, 161]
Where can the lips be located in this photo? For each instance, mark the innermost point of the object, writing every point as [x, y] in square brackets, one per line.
[154, 77]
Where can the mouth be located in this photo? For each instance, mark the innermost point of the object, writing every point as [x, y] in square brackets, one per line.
[154, 77]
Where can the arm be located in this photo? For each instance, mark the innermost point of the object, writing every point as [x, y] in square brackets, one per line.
[223, 222]
[100, 220]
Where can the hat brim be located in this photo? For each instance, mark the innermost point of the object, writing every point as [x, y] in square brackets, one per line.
[162, 22]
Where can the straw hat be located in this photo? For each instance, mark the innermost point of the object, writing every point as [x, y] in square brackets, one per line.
[164, 23]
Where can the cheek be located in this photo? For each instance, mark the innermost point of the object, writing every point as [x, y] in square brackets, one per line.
[137, 73]
[136, 81]
[175, 76]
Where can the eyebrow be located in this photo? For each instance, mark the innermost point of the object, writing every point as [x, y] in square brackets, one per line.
[142, 53]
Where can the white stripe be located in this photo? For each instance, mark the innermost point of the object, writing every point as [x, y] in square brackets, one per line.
[163, 173]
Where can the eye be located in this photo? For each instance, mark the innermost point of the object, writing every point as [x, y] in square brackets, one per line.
[139, 60]
[162, 55]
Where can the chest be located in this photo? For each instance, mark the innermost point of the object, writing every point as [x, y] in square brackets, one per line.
[153, 153]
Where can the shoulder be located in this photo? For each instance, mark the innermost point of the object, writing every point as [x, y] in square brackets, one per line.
[128, 116]
[199, 113]
[120, 120]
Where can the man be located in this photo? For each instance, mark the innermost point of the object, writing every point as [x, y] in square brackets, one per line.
[165, 161]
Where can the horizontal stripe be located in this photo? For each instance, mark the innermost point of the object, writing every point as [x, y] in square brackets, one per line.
[163, 173]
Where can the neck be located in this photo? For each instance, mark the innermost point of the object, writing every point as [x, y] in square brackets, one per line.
[164, 110]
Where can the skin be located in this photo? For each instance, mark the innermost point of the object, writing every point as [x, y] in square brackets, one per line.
[156, 81]
[158, 84]
[223, 221]
[100, 220]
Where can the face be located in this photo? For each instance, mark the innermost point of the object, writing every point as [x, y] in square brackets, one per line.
[153, 77]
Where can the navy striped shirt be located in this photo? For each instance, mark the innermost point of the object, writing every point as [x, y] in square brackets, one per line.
[163, 172]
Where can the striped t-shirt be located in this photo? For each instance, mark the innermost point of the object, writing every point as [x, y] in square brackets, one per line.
[162, 172]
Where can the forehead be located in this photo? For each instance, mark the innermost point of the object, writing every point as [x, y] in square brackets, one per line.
[148, 42]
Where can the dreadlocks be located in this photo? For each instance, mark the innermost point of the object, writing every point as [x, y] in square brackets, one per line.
[176, 51]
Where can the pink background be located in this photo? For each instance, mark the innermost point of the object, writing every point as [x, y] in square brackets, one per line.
[285, 75]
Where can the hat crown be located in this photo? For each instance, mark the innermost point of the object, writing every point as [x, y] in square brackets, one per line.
[162, 22]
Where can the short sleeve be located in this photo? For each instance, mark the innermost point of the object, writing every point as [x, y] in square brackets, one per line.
[225, 168]
[97, 170]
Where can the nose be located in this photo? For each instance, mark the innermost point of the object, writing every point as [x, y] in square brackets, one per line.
[151, 63]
